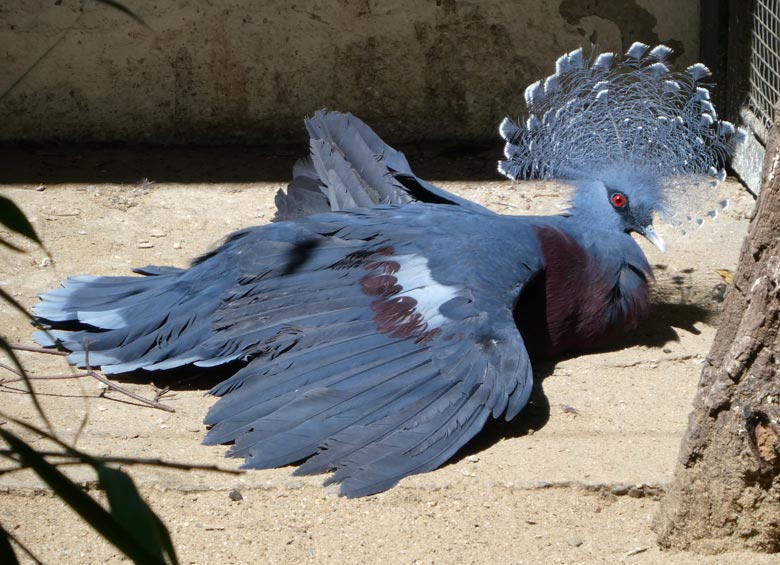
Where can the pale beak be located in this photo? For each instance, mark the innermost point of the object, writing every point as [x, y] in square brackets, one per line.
[653, 237]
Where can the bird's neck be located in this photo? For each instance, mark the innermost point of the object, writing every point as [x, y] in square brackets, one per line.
[585, 295]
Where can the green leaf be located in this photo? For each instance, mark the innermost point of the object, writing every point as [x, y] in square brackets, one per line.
[15, 220]
[105, 523]
[12, 354]
[4, 345]
[129, 509]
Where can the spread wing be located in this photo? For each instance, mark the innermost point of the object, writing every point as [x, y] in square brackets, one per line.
[349, 167]
[367, 351]
[379, 383]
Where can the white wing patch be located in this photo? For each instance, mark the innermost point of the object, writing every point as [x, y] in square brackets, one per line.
[407, 297]
[417, 283]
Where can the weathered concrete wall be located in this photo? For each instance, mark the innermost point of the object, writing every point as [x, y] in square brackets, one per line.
[245, 71]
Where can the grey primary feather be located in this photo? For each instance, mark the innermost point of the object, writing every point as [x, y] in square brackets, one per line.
[595, 118]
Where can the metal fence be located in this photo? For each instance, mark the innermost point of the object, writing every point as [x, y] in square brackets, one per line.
[749, 60]
[764, 78]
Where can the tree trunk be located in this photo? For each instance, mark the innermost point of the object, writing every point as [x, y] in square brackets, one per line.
[726, 490]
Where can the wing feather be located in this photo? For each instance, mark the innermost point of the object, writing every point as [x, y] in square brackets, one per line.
[351, 167]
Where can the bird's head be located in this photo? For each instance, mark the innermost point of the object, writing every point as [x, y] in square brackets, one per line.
[619, 201]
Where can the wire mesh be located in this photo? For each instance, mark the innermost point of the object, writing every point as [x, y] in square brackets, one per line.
[765, 64]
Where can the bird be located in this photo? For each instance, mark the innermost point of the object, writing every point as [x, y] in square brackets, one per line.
[378, 323]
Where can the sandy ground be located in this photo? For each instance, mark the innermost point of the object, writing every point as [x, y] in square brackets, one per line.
[575, 479]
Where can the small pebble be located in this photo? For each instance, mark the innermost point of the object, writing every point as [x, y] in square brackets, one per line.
[157, 233]
[177, 244]
[472, 459]
[235, 496]
[718, 293]
[40, 188]
[635, 492]
[144, 244]
[619, 490]
[574, 541]
[667, 350]
[82, 232]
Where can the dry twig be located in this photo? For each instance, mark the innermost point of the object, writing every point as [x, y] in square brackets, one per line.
[69, 459]
[88, 372]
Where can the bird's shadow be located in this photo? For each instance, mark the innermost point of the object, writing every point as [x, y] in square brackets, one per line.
[663, 325]
[186, 378]
[533, 417]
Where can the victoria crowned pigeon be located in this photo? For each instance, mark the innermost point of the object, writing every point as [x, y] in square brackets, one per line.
[381, 321]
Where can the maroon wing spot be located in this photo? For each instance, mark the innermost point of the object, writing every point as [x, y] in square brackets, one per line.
[394, 315]
[389, 313]
[380, 285]
[411, 326]
[398, 317]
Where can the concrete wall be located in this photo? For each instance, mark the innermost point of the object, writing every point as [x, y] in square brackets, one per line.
[241, 71]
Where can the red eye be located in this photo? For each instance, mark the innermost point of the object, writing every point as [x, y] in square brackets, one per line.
[618, 200]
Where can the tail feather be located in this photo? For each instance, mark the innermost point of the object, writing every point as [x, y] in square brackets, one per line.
[82, 293]
[128, 322]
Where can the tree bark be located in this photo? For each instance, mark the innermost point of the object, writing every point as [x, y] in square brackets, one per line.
[726, 490]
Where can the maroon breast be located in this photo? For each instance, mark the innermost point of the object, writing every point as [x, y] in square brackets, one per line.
[577, 302]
